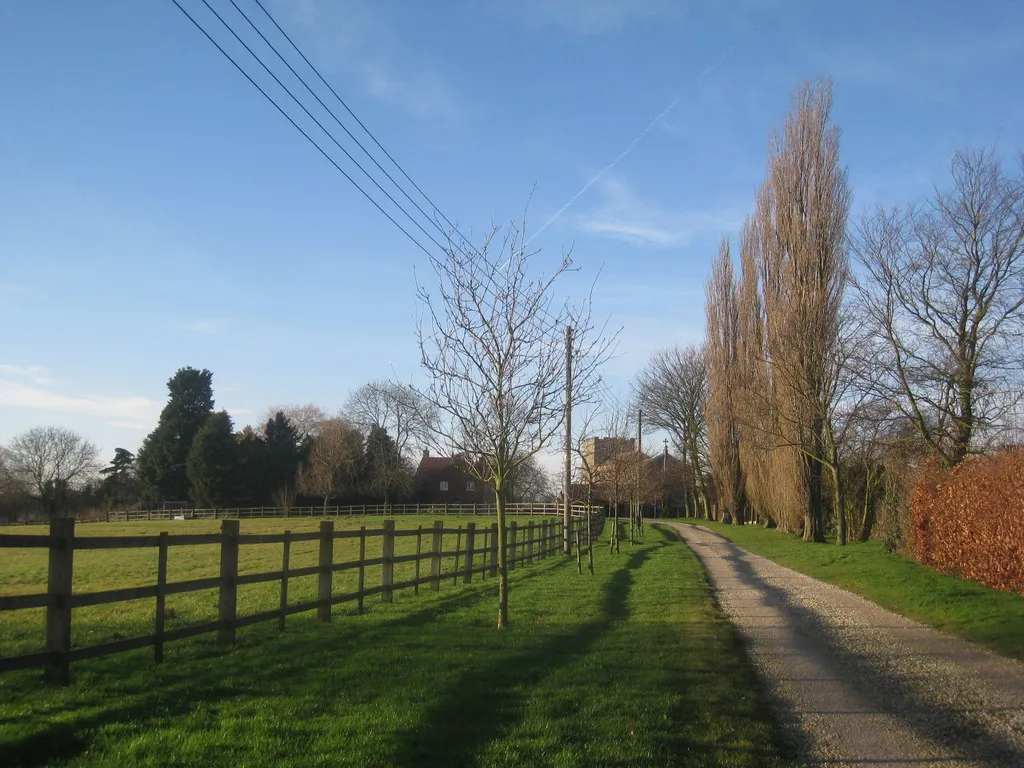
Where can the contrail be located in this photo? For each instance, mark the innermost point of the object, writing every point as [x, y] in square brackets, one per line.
[632, 145]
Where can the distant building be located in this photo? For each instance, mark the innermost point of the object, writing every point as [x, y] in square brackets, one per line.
[597, 450]
[442, 480]
[613, 472]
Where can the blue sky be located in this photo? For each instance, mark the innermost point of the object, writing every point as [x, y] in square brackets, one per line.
[157, 212]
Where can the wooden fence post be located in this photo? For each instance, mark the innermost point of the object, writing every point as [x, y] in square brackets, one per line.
[323, 611]
[161, 598]
[58, 610]
[387, 568]
[494, 550]
[435, 555]
[529, 543]
[361, 583]
[228, 602]
[468, 570]
[286, 554]
[511, 555]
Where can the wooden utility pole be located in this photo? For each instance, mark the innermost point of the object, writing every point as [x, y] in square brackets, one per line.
[664, 480]
[639, 469]
[567, 485]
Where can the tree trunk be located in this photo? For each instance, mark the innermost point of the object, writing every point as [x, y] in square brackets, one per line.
[499, 503]
[813, 528]
[867, 514]
[839, 503]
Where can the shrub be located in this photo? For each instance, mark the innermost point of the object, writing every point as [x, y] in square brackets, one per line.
[969, 520]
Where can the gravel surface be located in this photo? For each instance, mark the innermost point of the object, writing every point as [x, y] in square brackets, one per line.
[855, 684]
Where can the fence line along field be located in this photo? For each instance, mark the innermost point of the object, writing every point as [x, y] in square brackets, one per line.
[106, 588]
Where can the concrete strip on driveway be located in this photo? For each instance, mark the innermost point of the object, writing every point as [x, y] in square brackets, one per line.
[855, 684]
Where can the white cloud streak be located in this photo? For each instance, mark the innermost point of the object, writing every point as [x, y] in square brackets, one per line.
[626, 217]
[121, 411]
[34, 372]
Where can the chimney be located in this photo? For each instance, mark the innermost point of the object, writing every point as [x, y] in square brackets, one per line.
[426, 453]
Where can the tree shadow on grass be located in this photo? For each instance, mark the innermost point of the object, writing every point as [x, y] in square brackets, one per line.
[129, 688]
[488, 701]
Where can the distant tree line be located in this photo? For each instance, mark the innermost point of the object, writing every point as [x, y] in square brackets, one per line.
[195, 457]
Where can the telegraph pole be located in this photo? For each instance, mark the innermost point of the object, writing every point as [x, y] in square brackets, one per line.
[567, 487]
[639, 468]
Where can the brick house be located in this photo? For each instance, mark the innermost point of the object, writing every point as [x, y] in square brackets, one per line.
[441, 480]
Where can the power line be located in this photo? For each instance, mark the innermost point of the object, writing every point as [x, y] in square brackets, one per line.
[358, 121]
[299, 128]
[339, 122]
[320, 125]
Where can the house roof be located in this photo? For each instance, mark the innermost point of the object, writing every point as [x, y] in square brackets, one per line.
[430, 464]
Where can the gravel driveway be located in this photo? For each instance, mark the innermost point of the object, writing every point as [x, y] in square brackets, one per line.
[855, 684]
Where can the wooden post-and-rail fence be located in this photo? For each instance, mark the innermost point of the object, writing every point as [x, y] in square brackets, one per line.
[475, 553]
[352, 510]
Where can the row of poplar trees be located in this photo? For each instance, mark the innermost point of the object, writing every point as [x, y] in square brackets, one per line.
[771, 331]
[901, 332]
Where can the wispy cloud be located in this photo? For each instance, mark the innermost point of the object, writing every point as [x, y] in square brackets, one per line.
[623, 215]
[121, 411]
[358, 38]
[33, 372]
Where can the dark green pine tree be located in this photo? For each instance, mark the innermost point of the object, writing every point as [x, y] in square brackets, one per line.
[253, 485]
[164, 453]
[212, 464]
[283, 453]
[120, 484]
[385, 473]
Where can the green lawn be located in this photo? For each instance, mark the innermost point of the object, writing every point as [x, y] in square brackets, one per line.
[634, 666]
[23, 571]
[975, 612]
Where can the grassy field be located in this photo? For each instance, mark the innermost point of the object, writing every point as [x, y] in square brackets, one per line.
[634, 666]
[24, 571]
[977, 613]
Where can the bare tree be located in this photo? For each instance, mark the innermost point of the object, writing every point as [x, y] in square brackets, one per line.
[400, 410]
[943, 287]
[800, 249]
[335, 460]
[671, 391]
[49, 461]
[611, 460]
[491, 341]
[722, 406]
[285, 494]
[307, 419]
[531, 483]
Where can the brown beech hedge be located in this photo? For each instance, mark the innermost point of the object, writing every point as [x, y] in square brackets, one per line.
[969, 520]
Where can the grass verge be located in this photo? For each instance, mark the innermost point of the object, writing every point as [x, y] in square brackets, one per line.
[634, 666]
[24, 571]
[967, 609]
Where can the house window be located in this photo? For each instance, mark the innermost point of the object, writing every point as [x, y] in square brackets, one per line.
[470, 486]
[444, 485]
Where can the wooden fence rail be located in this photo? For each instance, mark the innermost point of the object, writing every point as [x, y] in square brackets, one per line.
[475, 554]
[249, 513]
